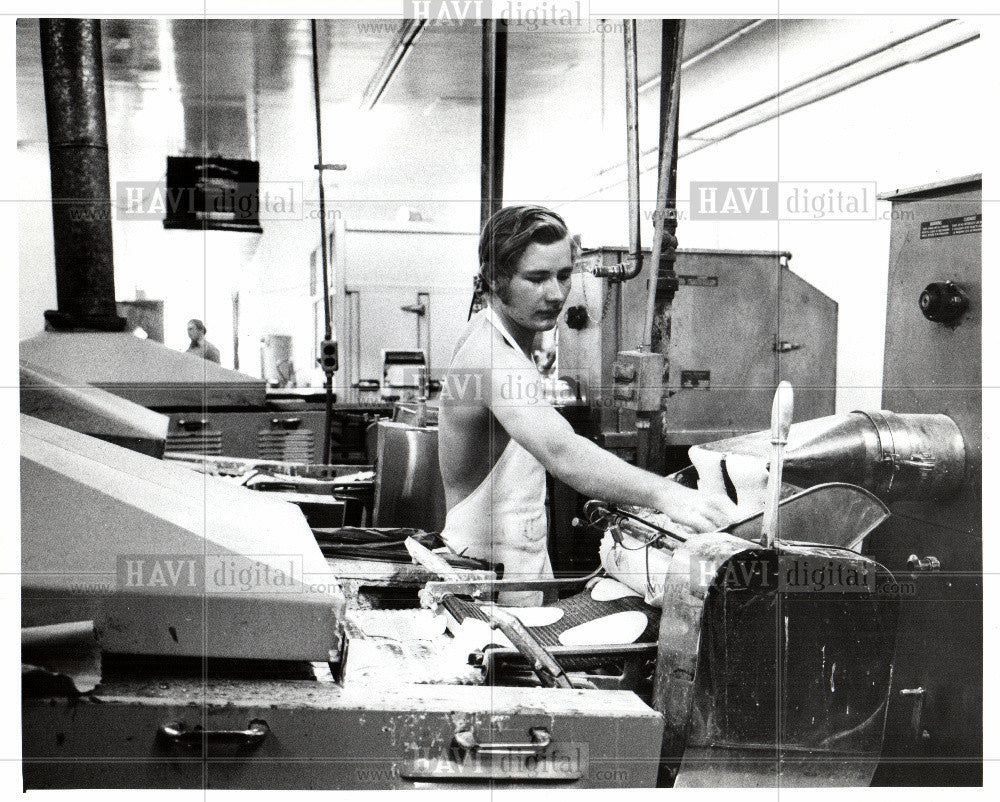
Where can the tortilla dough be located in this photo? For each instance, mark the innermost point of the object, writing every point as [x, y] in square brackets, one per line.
[749, 477]
[709, 467]
[611, 589]
[475, 635]
[624, 627]
[531, 616]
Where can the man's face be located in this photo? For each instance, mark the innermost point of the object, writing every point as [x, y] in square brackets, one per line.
[194, 332]
[538, 289]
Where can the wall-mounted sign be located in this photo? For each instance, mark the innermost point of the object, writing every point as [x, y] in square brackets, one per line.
[213, 193]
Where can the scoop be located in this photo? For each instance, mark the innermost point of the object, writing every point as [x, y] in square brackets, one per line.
[781, 421]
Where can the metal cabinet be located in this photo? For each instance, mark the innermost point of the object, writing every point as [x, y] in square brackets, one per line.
[933, 364]
[293, 734]
[741, 322]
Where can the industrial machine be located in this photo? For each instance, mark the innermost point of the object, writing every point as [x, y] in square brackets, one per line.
[741, 322]
[933, 364]
[238, 682]
[922, 455]
[180, 631]
[212, 410]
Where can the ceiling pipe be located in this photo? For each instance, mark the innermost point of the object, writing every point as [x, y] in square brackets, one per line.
[73, 76]
[632, 265]
[783, 105]
[632, 145]
[814, 79]
[494, 113]
[325, 268]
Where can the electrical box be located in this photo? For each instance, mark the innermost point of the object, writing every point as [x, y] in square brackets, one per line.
[639, 380]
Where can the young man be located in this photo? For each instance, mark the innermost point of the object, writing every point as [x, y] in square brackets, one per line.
[199, 345]
[498, 436]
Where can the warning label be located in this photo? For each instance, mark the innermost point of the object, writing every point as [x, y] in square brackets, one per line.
[697, 281]
[970, 224]
[696, 380]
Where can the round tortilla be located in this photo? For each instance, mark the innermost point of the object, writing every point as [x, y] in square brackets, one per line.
[611, 589]
[624, 627]
[476, 634]
[531, 616]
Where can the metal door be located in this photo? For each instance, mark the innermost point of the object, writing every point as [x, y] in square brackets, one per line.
[806, 346]
[723, 367]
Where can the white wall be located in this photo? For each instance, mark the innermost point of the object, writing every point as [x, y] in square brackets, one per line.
[194, 274]
[36, 268]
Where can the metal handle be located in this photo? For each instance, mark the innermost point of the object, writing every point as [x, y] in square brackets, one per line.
[783, 346]
[540, 741]
[918, 695]
[782, 409]
[252, 737]
[921, 462]
[193, 425]
[928, 563]
[471, 762]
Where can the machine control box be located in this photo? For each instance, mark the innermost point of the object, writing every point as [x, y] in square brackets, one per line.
[639, 381]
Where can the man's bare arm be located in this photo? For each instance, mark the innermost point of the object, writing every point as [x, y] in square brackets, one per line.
[517, 404]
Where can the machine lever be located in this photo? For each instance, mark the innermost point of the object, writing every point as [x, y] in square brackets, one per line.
[545, 666]
[434, 563]
[540, 741]
[252, 737]
[781, 421]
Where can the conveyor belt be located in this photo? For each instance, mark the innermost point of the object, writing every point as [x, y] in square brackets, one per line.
[578, 609]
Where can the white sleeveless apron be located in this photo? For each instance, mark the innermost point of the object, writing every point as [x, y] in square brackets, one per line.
[503, 520]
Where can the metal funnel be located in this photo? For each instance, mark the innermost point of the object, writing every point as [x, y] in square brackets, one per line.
[892, 455]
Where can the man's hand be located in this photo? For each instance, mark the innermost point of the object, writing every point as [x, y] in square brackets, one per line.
[703, 512]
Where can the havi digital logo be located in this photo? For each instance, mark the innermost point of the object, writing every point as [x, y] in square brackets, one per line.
[731, 200]
[529, 13]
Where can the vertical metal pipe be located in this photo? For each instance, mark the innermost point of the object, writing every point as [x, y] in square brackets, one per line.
[73, 75]
[494, 106]
[665, 218]
[236, 330]
[325, 268]
[632, 138]
[651, 427]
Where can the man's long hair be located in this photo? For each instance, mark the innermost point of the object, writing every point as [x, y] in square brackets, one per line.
[506, 236]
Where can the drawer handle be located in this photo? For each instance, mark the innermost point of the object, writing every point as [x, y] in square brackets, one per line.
[540, 741]
[249, 739]
[469, 761]
[918, 695]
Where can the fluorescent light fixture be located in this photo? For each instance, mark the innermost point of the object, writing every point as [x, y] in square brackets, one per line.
[406, 37]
